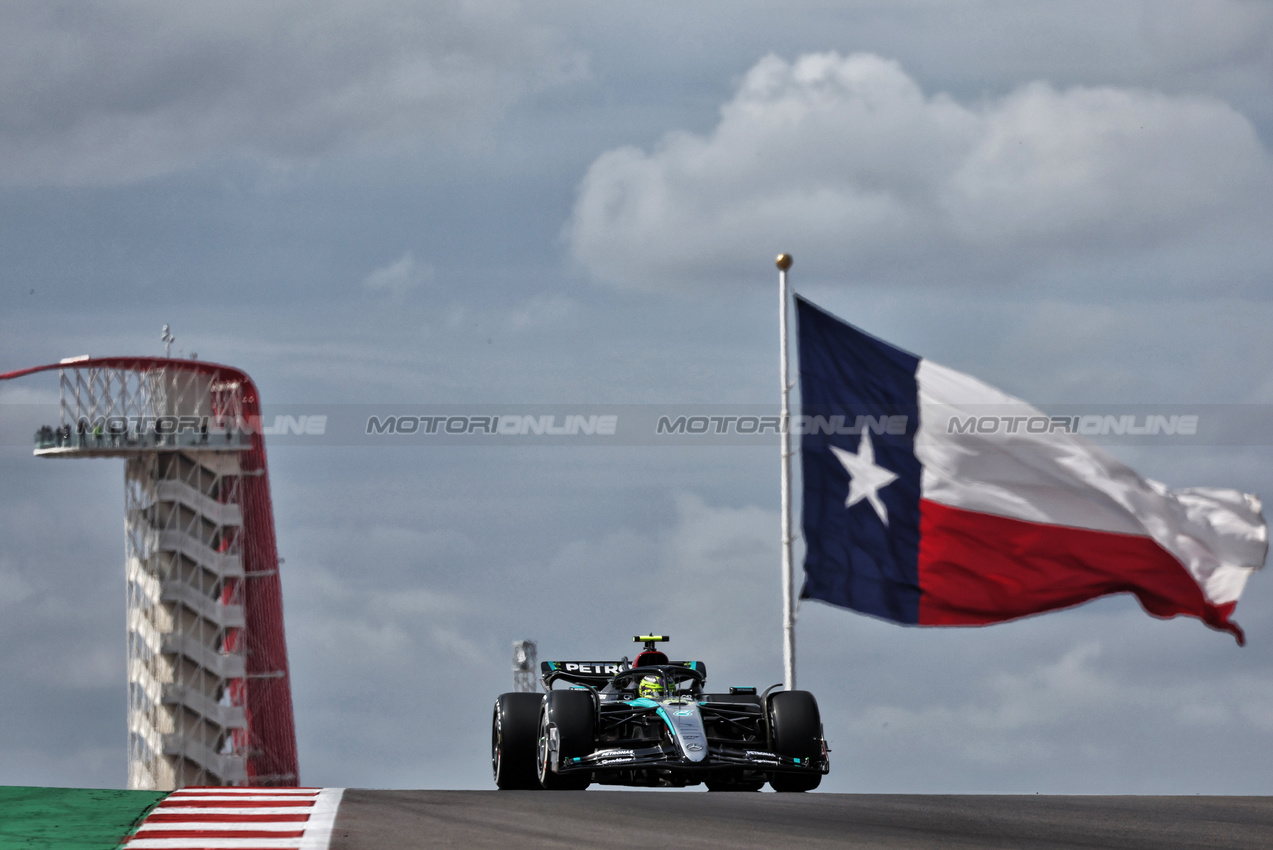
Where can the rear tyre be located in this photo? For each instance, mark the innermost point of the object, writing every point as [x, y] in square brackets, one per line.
[573, 715]
[514, 731]
[795, 731]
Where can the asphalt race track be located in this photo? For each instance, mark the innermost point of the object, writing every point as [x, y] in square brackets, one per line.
[373, 820]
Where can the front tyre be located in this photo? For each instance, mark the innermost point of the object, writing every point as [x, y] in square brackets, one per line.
[572, 715]
[795, 731]
[514, 730]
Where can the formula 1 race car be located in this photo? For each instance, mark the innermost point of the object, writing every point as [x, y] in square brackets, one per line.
[650, 723]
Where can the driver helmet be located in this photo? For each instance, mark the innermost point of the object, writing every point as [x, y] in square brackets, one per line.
[652, 687]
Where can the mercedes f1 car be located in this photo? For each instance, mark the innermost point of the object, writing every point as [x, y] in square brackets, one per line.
[652, 723]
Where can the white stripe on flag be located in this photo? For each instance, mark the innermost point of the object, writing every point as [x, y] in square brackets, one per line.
[1059, 478]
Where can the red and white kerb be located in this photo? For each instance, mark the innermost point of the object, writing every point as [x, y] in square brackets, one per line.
[240, 819]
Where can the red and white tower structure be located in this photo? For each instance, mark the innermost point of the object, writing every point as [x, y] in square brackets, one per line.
[209, 697]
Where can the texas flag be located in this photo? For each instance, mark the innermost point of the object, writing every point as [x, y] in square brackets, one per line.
[933, 499]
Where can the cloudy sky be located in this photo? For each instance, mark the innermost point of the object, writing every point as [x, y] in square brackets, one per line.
[490, 202]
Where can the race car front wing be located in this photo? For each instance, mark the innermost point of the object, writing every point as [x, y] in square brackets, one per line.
[720, 757]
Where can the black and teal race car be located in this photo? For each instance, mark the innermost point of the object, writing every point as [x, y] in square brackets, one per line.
[651, 722]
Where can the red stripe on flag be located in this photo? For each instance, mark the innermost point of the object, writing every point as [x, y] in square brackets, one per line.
[977, 568]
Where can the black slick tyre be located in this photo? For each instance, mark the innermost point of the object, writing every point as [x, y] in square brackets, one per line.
[514, 732]
[795, 731]
[573, 715]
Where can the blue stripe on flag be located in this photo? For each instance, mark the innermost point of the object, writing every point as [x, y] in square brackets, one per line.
[852, 558]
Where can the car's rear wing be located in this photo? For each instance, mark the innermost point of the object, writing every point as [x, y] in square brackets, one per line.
[595, 674]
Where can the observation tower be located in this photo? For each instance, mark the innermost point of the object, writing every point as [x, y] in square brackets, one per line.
[209, 697]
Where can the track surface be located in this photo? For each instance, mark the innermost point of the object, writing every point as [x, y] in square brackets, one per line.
[373, 820]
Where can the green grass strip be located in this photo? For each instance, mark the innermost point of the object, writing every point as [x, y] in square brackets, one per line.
[70, 818]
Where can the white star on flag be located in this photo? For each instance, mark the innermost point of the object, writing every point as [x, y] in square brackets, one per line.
[865, 476]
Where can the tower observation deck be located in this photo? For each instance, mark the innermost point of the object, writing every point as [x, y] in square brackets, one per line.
[209, 697]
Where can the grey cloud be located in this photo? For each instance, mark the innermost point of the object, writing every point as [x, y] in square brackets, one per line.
[848, 158]
[107, 93]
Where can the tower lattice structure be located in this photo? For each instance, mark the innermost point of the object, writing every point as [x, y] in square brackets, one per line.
[209, 696]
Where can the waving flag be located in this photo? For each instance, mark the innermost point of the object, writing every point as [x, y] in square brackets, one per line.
[931, 498]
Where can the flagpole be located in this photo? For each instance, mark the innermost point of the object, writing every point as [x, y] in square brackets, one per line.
[788, 602]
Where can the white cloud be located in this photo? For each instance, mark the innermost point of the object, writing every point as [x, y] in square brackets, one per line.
[847, 158]
[104, 93]
[399, 277]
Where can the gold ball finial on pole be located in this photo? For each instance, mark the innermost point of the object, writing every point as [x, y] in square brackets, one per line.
[784, 262]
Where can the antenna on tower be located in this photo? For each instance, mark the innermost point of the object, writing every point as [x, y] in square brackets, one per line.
[525, 658]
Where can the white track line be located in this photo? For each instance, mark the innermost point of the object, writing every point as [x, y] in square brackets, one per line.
[240, 819]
